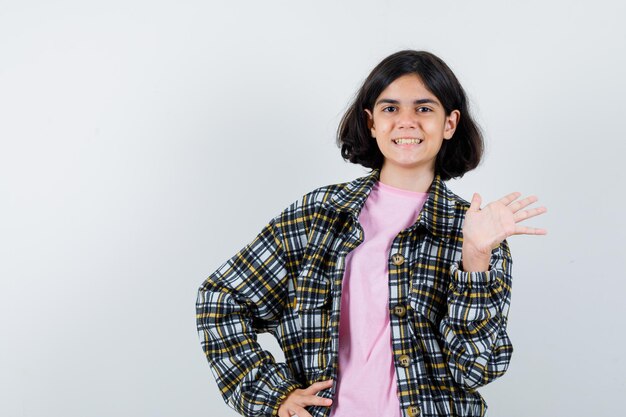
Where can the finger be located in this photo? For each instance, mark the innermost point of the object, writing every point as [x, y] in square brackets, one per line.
[523, 230]
[518, 205]
[319, 386]
[527, 214]
[301, 412]
[509, 197]
[475, 204]
[315, 400]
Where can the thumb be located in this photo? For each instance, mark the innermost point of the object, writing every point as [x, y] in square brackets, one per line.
[475, 204]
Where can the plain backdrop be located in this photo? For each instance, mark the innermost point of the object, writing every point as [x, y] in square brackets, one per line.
[142, 143]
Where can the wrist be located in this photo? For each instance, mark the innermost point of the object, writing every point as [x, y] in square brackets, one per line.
[474, 261]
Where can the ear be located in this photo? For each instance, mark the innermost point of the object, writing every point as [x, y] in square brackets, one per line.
[370, 122]
[452, 121]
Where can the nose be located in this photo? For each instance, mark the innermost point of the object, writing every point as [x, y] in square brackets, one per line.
[407, 119]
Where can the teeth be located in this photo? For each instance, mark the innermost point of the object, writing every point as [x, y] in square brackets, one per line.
[402, 141]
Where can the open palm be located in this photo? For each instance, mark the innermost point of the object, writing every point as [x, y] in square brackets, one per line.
[484, 229]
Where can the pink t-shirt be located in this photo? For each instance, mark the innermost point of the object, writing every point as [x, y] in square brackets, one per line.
[366, 382]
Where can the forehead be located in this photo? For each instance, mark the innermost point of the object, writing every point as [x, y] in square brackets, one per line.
[409, 86]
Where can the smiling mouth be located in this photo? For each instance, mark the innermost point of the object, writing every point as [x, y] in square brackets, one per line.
[406, 141]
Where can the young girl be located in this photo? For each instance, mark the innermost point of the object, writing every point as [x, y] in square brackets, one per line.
[388, 294]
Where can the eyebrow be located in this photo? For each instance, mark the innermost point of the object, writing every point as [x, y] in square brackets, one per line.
[419, 101]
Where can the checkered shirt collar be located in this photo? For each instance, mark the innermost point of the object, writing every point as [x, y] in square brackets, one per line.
[437, 215]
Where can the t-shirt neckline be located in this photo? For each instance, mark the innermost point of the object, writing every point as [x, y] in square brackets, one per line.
[399, 191]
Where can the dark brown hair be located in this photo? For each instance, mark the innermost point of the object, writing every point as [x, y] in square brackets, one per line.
[456, 157]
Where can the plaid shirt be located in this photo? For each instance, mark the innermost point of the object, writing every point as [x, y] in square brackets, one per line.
[448, 326]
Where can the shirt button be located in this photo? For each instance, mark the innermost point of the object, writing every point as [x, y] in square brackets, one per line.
[397, 259]
[404, 361]
[414, 411]
[399, 310]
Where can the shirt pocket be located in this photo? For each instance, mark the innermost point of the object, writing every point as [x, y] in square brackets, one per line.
[428, 297]
[313, 307]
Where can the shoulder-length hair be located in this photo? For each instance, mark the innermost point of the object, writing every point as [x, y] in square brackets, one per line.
[456, 157]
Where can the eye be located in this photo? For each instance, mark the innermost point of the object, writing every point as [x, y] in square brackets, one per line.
[423, 109]
[389, 109]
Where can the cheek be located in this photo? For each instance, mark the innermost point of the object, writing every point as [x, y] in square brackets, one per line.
[383, 144]
[434, 127]
[384, 127]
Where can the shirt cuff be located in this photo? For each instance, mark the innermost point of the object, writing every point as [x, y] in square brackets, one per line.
[469, 279]
[285, 389]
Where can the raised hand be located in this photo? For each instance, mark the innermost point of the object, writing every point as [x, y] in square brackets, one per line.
[484, 229]
[296, 400]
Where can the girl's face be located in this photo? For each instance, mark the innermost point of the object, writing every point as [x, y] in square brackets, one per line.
[410, 124]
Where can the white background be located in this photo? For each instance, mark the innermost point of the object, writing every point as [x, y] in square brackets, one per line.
[145, 142]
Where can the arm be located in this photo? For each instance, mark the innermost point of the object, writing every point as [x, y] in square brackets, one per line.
[477, 347]
[248, 288]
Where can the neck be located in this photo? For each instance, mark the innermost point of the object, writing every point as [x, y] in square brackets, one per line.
[411, 179]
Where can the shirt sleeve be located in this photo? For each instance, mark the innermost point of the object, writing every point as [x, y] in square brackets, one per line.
[248, 289]
[477, 347]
